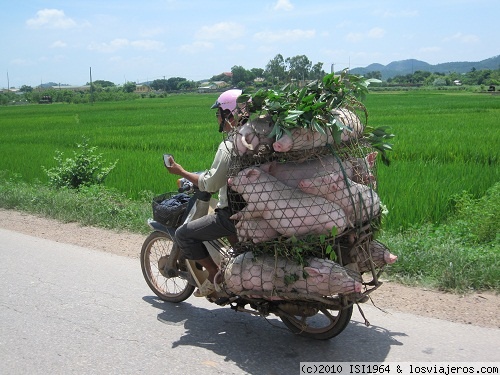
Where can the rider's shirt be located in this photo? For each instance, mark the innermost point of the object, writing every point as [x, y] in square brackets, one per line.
[216, 177]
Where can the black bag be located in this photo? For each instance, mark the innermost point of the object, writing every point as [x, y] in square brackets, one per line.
[168, 208]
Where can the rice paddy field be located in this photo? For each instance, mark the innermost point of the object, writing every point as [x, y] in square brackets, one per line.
[445, 144]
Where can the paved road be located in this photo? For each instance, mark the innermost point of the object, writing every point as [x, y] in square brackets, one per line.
[70, 310]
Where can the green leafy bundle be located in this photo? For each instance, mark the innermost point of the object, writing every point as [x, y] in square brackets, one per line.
[312, 107]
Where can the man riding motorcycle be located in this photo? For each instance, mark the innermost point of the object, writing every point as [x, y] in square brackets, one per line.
[190, 236]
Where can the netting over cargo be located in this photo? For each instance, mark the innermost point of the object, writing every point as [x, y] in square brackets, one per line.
[302, 184]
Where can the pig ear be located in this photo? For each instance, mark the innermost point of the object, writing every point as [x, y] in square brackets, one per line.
[370, 158]
[333, 180]
[252, 174]
[311, 271]
[315, 273]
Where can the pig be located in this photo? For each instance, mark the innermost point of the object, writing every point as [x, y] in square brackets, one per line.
[256, 229]
[379, 254]
[305, 139]
[354, 128]
[249, 136]
[291, 173]
[287, 210]
[270, 276]
[302, 139]
[360, 202]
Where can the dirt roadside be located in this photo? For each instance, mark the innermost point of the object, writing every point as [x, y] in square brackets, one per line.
[480, 309]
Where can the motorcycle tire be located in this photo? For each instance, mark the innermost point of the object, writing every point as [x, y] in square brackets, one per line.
[155, 252]
[324, 325]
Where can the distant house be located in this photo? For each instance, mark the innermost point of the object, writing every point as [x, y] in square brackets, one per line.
[72, 88]
[208, 86]
[142, 89]
[457, 82]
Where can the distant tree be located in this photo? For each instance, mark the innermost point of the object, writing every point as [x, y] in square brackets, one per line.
[240, 74]
[439, 82]
[257, 72]
[375, 74]
[276, 69]
[221, 77]
[173, 83]
[103, 83]
[159, 85]
[129, 87]
[317, 71]
[298, 67]
[25, 88]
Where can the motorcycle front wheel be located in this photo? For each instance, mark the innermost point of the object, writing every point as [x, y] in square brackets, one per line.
[324, 325]
[155, 252]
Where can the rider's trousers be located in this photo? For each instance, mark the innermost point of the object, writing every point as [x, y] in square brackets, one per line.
[190, 236]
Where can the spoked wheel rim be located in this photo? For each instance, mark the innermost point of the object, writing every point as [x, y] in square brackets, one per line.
[155, 254]
[322, 326]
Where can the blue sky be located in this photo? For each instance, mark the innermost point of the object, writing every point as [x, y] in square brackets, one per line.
[125, 40]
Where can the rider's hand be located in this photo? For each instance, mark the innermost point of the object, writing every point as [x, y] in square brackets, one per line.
[174, 168]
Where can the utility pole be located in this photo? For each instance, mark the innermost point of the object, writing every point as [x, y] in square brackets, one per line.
[91, 89]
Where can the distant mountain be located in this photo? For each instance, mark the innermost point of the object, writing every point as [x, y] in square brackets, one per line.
[410, 66]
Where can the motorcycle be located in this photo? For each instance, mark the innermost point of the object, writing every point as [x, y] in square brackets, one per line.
[173, 278]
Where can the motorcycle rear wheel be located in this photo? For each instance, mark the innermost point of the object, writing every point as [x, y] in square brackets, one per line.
[324, 325]
[155, 252]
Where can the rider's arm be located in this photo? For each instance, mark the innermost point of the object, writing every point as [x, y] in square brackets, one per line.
[216, 177]
[177, 169]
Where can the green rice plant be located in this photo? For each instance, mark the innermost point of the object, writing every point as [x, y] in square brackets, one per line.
[461, 254]
[445, 143]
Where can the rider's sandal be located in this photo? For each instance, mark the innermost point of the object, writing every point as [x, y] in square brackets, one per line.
[205, 289]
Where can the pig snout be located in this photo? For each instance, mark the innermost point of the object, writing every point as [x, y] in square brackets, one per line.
[390, 258]
[307, 186]
[358, 286]
[283, 144]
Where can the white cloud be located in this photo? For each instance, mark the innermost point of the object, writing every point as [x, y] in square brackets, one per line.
[52, 19]
[121, 43]
[462, 38]
[149, 45]
[284, 35]
[147, 33]
[196, 47]
[21, 62]
[220, 31]
[110, 47]
[374, 33]
[429, 49]
[58, 44]
[285, 5]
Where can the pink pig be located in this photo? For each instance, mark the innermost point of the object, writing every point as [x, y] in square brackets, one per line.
[377, 252]
[270, 276]
[256, 230]
[305, 139]
[291, 173]
[301, 139]
[287, 210]
[351, 121]
[360, 202]
[249, 136]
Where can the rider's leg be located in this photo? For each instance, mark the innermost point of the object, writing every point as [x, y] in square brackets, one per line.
[190, 237]
[210, 266]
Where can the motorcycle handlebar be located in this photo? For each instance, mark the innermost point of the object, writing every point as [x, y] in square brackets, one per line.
[184, 188]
